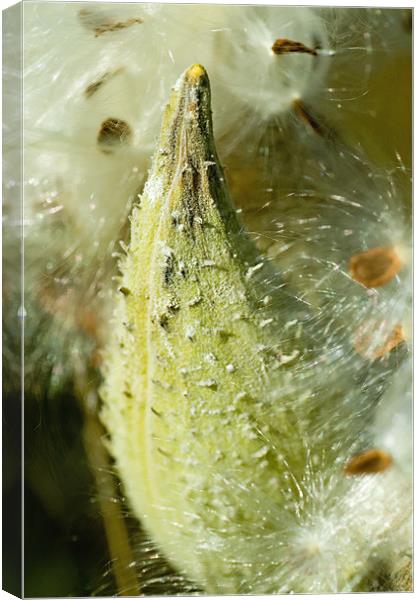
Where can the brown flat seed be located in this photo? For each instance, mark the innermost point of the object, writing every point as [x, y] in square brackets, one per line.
[113, 132]
[364, 341]
[284, 46]
[375, 267]
[100, 23]
[107, 27]
[366, 463]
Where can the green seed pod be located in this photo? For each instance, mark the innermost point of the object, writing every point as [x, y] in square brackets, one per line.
[231, 467]
[193, 356]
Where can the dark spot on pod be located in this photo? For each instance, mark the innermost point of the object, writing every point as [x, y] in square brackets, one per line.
[224, 335]
[169, 270]
[128, 326]
[173, 307]
[175, 220]
[284, 46]
[112, 133]
[164, 321]
[125, 291]
[369, 462]
[163, 452]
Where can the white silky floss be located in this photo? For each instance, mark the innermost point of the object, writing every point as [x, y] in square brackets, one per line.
[79, 72]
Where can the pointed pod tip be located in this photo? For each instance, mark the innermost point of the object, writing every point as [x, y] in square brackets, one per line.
[195, 73]
[186, 129]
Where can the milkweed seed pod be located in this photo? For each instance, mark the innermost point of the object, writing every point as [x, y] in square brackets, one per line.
[235, 432]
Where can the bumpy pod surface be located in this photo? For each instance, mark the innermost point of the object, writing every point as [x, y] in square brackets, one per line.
[233, 466]
[196, 345]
